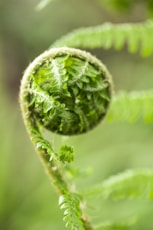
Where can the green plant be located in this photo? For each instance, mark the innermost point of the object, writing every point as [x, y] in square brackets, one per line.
[68, 91]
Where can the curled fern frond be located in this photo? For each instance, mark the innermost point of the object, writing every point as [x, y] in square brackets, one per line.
[135, 35]
[132, 106]
[66, 90]
[127, 185]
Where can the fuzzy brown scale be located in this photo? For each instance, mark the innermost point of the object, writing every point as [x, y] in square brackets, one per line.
[69, 90]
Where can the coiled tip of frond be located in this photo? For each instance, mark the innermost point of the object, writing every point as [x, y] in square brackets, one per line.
[66, 90]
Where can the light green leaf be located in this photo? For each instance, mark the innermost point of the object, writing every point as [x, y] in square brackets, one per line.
[132, 106]
[127, 185]
[138, 36]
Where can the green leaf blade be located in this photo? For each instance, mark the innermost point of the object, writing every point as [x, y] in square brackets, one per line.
[135, 35]
[130, 184]
[130, 107]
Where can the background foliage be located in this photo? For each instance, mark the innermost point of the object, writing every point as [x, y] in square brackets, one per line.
[27, 199]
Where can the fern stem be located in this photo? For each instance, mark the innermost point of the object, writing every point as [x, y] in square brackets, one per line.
[66, 91]
[51, 167]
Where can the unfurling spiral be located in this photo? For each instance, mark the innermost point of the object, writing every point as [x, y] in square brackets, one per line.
[66, 90]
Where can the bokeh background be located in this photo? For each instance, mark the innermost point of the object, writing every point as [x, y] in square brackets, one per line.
[27, 200]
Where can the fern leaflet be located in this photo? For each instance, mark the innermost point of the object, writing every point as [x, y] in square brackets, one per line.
[132, 106]
[72, 214]
[130, 184]
[136, 35]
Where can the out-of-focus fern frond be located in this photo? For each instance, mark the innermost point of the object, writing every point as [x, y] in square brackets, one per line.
[128, 185]
[135, 35]
[132, 106]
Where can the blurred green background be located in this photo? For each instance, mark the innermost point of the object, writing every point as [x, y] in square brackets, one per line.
[27, 200]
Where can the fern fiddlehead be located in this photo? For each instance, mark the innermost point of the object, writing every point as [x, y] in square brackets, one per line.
[66, 91]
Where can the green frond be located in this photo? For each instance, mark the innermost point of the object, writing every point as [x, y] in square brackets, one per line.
[68, 90]
[127, 185]
[132, 106]
[135, 35]
[72, 214]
